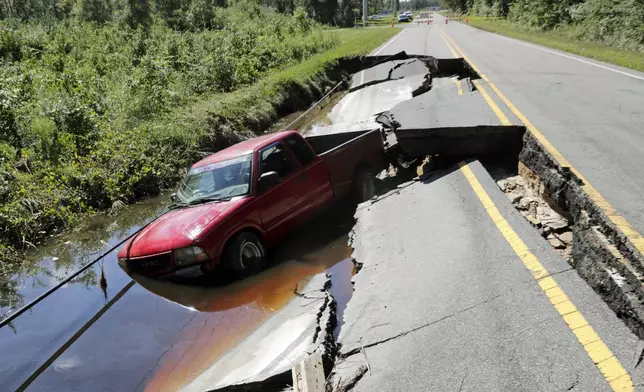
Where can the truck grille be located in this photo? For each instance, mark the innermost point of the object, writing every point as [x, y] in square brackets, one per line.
[150, 265]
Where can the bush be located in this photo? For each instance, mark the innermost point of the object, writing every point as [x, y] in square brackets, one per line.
[619, 24]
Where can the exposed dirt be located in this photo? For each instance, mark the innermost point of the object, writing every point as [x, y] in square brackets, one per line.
[601, 254]
[526, 193]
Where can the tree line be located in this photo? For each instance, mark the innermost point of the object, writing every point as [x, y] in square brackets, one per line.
[613, 22]
[178, 14]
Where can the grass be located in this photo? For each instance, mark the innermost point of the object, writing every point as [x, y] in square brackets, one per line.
[256, 105]
[377, 22]
[558, 40]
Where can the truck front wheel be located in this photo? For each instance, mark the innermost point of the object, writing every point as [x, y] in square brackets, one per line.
[245, 253]
[364, 185]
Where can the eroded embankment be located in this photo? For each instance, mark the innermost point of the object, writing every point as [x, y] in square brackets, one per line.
[601, 253]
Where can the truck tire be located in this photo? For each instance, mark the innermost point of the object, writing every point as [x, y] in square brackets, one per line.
[364, 185]
[244, 254]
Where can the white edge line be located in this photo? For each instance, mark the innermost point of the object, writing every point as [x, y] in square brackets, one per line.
[388, 43]
[569, 57]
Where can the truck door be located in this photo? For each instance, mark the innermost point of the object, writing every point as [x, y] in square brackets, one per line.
[275, 205]
[313, 180]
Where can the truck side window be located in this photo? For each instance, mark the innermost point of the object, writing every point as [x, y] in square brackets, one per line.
[275, 158]
[300, 149]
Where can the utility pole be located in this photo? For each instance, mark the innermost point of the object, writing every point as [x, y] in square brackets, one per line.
[395, 8]
[364, 13]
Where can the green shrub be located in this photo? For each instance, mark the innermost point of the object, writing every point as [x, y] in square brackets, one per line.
[94, 113]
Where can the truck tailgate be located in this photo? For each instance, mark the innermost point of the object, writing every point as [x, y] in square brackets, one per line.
[344, 153]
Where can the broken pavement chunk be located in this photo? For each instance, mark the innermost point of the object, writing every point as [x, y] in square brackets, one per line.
[366, 102]
[390, 70]
[551, 219]
[565, 237]
[555, 242]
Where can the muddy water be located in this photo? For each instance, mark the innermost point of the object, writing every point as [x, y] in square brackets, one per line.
[151, 335]
[37, 334]
[156, 335]
[234, 312]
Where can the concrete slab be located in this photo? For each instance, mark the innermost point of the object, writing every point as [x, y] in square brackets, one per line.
[444, 108]
[438, 306]
[389, 70]
[366, 102]
[409, 68]
[377, 73]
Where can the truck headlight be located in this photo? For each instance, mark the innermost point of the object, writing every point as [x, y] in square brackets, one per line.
[189, 255]
[122, 261]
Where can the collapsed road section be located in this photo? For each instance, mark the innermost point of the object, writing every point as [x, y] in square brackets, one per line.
[443, 301]
[448, 286]
[464, 293]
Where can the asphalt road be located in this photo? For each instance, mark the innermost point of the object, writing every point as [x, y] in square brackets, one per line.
[443, 302]
[592, 112]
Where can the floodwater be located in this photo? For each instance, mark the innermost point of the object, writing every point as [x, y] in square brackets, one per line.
[148, 334]
[144, 334]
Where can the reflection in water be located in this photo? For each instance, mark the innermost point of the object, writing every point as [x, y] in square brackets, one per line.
[341, 289]
[64, 254]
[102, 282]
[234, 311]
[146, 343]
[71, 307]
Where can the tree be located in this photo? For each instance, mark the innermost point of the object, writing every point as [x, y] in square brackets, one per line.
[134, 13]
[455, 5]
[201, 13]
[35, 9]
[545, 14]
[168, 9]
[99, 11]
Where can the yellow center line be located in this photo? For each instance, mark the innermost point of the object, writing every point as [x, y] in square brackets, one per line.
[448, 44]
[459, 86]
[495, 108]
[612, 370]
[618, 220]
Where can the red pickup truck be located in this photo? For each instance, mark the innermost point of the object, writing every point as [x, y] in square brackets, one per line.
[238, 202]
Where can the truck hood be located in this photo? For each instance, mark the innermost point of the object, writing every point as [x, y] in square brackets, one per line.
[176, 228]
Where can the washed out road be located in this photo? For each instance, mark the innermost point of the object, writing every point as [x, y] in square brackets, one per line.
[592, 112]
[464, 294]
[456, 292]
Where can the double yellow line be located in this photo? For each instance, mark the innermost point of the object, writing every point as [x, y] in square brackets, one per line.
[618, 220]
[610, 367]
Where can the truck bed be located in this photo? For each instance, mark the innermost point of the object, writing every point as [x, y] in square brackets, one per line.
[344, 154]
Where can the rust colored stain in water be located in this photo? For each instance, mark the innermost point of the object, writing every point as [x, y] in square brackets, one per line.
[224, 316]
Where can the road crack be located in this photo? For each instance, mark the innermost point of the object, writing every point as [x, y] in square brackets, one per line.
[574, 383]
[423, 326]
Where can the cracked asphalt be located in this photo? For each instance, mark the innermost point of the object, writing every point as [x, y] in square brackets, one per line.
[443, 303]
[591, 111]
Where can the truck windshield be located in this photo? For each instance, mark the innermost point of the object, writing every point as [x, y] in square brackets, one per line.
[217, 181]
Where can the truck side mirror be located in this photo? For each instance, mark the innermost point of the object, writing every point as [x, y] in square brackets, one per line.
[267, 181]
